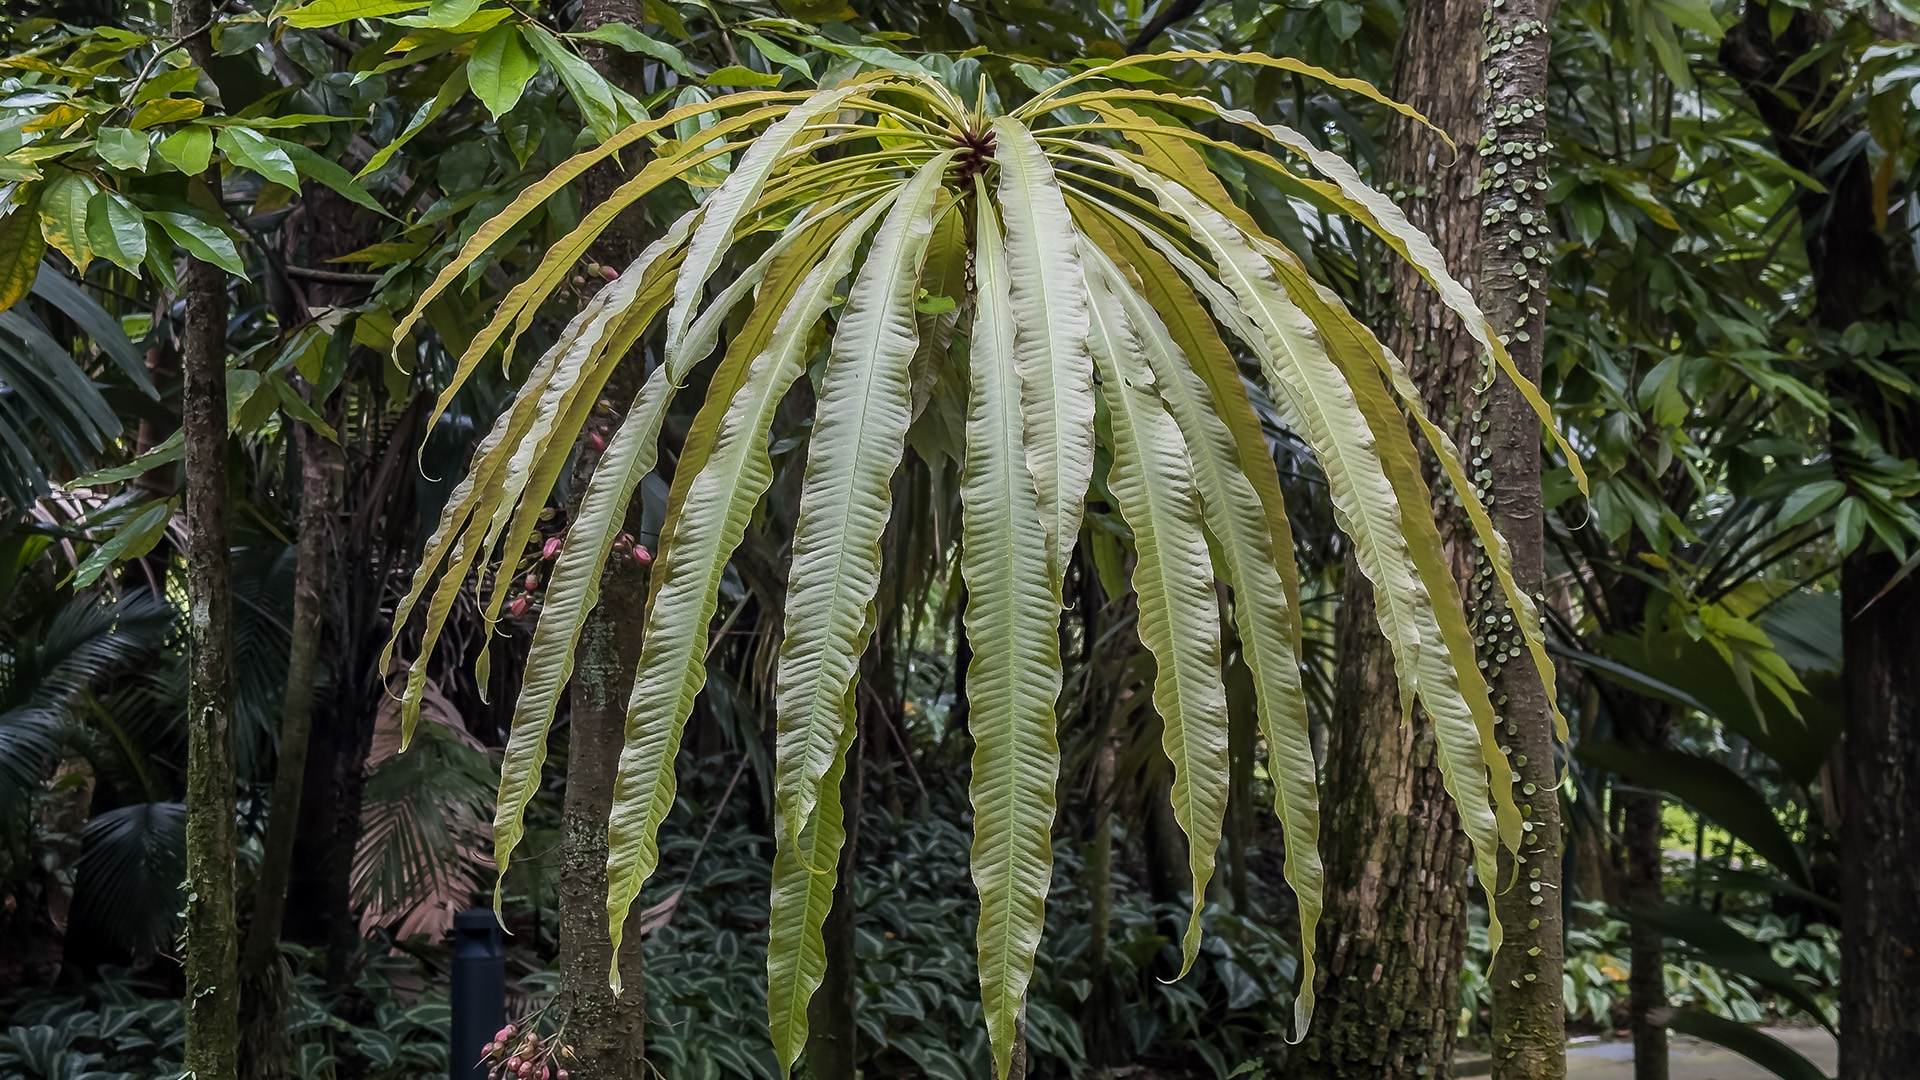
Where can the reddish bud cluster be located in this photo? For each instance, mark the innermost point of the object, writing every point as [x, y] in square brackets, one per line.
[518, 1053]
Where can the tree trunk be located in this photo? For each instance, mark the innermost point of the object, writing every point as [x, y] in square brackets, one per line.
[1529, 1020]
[1393, 933]
[1879, 756]
[1647, 985]
[605, 1031]
[263, 978]
[1396, 876]
[1880, 824]
[212, 946]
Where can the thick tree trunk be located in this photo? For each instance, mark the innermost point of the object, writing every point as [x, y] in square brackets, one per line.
[1880, 830]
[1394, 930]
[1529, 1021]
[264, 980]
[1396, 862]
[605, 1031]
[1879, 756]
[212, 945]
[1647, 985]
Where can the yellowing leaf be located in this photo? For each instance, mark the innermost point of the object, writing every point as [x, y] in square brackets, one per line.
[166, 111]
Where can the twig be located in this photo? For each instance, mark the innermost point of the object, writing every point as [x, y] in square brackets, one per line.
[332, 277]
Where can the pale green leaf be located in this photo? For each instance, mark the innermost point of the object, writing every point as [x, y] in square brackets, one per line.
[1152, 479]
[500, 68]
[1049, 303]
[1013, 680]
[695, 546]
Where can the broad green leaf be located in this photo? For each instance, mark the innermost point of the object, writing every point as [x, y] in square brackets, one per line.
[501, 66]
[244, 146]
[134, 539]
[21, 246]
[448, 93]
[1152, 480]
[736, 75]
[63, 214]
[190, 149]
[315, 167]
[1014, 677]
[116, 231]
[1049, 298]
[170, 450]
[122, 148]
[166, 111]
[622, 36]
[202, 239]
[695, 546]
[859, 436]
[606, 106]
[323, 13]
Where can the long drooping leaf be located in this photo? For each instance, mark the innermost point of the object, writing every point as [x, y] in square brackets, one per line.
[858, 438]
[725, 207]
[686, 577]
[1152, 479]
[1049, 305]
[1014, 677]
[563, 174]
[802, 896]
[513, 472]
[1237, 521]
[1371, 491]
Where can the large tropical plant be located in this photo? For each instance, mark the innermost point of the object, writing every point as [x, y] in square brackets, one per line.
[1101, 270]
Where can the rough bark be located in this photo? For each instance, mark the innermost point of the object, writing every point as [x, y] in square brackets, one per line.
[1880, 827]
[1647, 726]
[212, 946]
[1529, 1021]
[1854, 277]
[263, 978]
[375, 515]
[1393, 933]
[605, 1031]
[1396, 863]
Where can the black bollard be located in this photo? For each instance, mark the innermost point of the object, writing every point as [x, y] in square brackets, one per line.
[479, 991]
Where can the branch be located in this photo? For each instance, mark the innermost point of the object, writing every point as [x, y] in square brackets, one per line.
[1172, 13]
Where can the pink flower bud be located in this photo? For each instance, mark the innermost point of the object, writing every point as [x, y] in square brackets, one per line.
[518, 607]
[551, 548]
[531, 582]
[597, 441]
[609, 273]
[503, 1034]
[514, 1063]
[641, 555]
